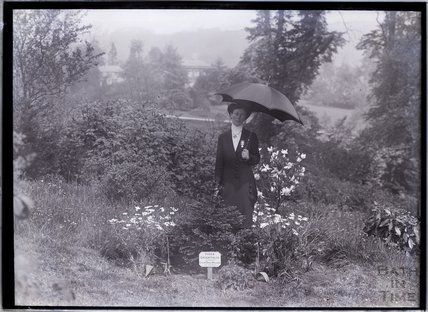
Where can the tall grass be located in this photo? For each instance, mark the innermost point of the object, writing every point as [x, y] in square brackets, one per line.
[74, 214]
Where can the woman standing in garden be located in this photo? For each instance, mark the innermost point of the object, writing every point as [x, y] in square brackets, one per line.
[237, 152]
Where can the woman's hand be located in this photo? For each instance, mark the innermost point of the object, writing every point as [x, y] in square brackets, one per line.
[245, 154]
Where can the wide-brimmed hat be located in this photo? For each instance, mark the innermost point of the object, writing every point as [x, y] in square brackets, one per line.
[232, 106]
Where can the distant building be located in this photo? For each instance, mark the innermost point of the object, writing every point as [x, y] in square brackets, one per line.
[111, 74]
[195, 68]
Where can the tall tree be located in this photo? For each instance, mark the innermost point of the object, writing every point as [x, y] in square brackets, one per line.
[287, 48]
[175, 73]
[112, 55]
[47, 56]
[135, 75]
[211, 80]
[394, 117]
[175, 80]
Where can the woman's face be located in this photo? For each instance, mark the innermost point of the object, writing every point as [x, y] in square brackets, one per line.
[238, 116]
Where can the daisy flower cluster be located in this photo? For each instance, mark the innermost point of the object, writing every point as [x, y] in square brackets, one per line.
[264, 216]
[277, 175]
[152, 217]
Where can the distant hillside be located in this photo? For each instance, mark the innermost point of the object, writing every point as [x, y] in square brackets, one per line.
[206, 45]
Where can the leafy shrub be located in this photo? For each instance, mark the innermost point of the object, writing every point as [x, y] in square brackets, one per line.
[205, 226]
[192, 170]
[327, 190]
[232, 276]
[353, 164]
[137, 181]
[179, 99]
[396, 227]
[137, 153]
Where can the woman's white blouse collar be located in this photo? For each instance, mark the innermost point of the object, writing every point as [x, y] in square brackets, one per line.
[236, 129]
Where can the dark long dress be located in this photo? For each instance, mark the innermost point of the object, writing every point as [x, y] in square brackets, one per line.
[235, 175]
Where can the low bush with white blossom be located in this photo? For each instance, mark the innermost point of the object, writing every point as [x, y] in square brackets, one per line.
[143, 232]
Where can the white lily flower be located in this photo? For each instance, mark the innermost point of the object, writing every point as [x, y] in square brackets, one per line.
[265, 167]
[305, 219]
[270, 149]
[137, 208]
[295, 232]
[263, 225]
[257, 176]
[303, 156]
[299, 159]
[272, 189]
[285, 191]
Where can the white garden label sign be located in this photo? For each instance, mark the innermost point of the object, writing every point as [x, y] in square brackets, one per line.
[209, 259]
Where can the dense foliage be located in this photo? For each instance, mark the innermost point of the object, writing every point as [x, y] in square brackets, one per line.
[397, 227]
[394, 132]
[288, 47]
[340, 86]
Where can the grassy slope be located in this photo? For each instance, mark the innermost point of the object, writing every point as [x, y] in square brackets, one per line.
[74, 276]
[53, 267]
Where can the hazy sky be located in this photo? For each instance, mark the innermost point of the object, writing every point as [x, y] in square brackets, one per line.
[171, 21]
[166, 22]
